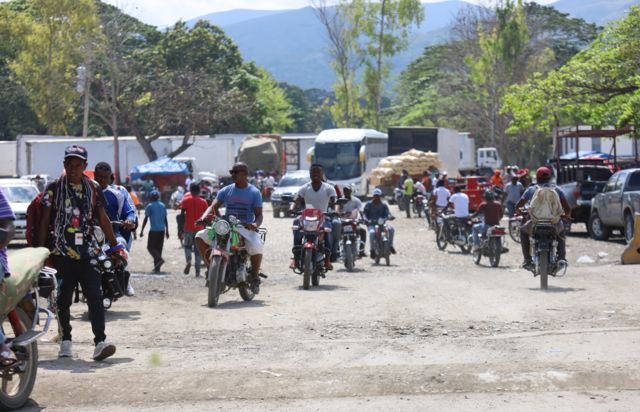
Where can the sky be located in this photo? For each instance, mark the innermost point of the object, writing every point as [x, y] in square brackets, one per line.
[164, 13]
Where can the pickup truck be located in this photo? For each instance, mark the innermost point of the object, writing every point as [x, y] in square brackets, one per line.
[580, 185]
[616, 206]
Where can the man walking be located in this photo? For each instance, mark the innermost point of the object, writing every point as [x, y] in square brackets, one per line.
[70, 206]
[513, 192]
[407, 187]
[192, 208]
[156, 212]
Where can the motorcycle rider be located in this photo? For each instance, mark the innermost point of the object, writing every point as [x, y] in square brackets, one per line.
[374, 210]
[439, 198]
[119, 207]
[543, 177]
[7, 356]
[460, 203]
[492, 212]
[512, 193]
[352, 209]
[244, 201]
[318, 195]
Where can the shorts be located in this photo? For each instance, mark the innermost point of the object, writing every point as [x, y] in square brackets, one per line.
[252, 240]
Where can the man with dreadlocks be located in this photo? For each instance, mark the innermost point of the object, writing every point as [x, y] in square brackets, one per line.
[72, 206]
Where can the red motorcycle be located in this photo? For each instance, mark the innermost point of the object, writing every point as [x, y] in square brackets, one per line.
[311, 254]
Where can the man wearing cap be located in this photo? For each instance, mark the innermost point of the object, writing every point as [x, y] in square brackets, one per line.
[351, 208]
[543, 178]
[156, 212]
[70, 207]
[374, 210]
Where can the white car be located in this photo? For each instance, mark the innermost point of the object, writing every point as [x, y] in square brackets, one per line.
[20, 193]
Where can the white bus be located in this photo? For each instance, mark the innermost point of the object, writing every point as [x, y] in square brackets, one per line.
[349, 155]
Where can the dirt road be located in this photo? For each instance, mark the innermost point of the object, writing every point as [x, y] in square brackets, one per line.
[433, 330]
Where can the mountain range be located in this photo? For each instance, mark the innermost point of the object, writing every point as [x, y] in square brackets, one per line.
[292, 44]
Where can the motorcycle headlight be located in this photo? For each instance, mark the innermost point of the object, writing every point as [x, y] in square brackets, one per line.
[233, 220]
[222, 227]
[108, 264]
[381, 221]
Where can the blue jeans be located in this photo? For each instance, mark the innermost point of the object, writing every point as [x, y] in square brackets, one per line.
[478, 228]
[511, 208]
[372, 234]
[188, 243]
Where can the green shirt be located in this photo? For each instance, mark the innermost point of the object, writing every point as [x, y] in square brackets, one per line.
[408, 186]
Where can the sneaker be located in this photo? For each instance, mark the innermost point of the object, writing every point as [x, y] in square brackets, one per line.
[130, 291]
[198, 274]
[528, 265]
[66, 349]
[103, 350]
[187, 268]
[255, 285]
[392, 250]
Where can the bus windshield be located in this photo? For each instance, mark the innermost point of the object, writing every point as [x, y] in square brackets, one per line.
[341, 161]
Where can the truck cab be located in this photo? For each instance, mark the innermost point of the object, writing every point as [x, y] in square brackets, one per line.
[489, 158]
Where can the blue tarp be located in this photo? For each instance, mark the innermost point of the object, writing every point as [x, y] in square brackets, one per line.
[162, 166]
[586, 154]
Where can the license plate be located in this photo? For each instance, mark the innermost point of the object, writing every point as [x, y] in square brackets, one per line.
[347, 229]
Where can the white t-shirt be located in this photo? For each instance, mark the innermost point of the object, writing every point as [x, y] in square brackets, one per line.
[442, 195]
[270, 181]
[352, 207]
[319, 199]
[460, 204]
[419, 187]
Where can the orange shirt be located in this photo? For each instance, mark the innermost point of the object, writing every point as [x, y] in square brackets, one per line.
[134, 198]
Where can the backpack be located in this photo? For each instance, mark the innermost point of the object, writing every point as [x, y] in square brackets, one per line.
[34, 216]
[545, 205]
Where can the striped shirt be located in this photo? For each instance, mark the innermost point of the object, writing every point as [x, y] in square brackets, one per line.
[5, 213]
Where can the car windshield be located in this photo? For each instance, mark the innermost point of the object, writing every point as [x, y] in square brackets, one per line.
[341, 161]
[289, 181]
[21, 194]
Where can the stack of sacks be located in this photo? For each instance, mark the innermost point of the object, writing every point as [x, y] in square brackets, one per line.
[414, 161]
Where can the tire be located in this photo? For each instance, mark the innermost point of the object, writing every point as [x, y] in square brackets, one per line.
[597, 229]
[315, 279]
[386, 252]
[628, 227]
[477, 255]
[348, 257]
[441, 240]
[276, 213]
[246, 293]
[21, 386]
[514, 231]
[215, 274]
[495, 246]
[543, 264]
[378, 251]
[307, 268]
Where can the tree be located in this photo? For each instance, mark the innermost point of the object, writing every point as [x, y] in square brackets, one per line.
[343, 31]
[273, 106]
[51, 50]
[387, 24]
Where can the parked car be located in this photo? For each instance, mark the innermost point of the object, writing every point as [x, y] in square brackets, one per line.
[580, 185]
[289, 185]
[616, 206]
[20, 193]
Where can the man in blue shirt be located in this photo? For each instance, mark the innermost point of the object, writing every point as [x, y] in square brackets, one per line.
[243, 201]
[374, 210]
[156, 212]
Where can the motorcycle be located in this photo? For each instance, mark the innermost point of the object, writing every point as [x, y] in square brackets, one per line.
[492, 245]
[381, 244]
[398, 198]
[111, 269]
[544, 245]
[350, 243]
[514, 228]
[228, 268]
[20, 314]
[312, 252]
[452, 231]
[418, 204]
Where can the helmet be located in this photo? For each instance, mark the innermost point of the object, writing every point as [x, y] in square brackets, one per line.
[377, 192]
[489, 195]
[543, 173]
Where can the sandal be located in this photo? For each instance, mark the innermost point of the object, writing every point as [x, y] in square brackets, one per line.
[8, 358]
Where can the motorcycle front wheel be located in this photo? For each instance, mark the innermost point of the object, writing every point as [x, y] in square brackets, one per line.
[215, 275]
[514, 230]
[307, 268]
[495, 251]
[543, 264]
[15, 392]
[387, 253]
[348, 257]
[441, 239]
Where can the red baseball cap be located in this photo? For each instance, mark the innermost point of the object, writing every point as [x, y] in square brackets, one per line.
[543, 173]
